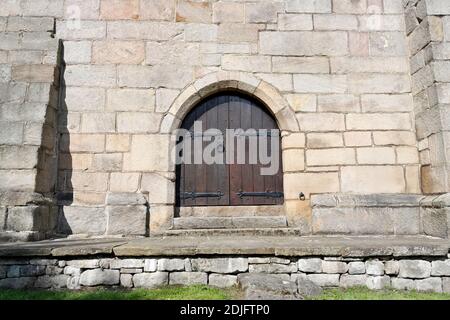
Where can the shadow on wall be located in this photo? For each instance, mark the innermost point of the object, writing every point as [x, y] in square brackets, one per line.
[64, 188]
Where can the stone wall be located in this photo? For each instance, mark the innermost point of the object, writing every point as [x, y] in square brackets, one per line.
[432, 274]
[428, 30]
[335, 73]
[29, 89]
[381, 214]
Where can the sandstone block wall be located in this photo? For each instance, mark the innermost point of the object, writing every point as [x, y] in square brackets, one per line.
[335, 73]
[29, 88]
[428, 30]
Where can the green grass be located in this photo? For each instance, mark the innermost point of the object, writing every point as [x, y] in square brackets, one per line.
[361, 293]
[206, 293]
[167, 293]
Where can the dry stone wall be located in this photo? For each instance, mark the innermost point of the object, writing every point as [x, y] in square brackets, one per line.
[432, 275]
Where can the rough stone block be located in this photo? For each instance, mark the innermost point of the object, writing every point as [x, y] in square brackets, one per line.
[310, 183]
[262, 12]
[357, 267]
[392, 267]
[126, 280]
[374, 268]
[150, 265]
[119, 9]
[87, 30]
[220, 265]
[188, 278]
[325, 280]
[295, 22]
[97, 277]
[127, 220]
[415, 269]
[124, 182]
[334, 267]
[429, 285]
[403, 284]
[348, 281]
[310, 6]
[366, 179]
[171, 264]
[126, 263]
[54, 282]
[326, 157]
[272, 268]
[157, 10]
[228, 12]
[309, 83]
[299, 43]
[222, 281]
[83, 220]
[312, 265]
[90, 75]
[141, 160]
[319, 122]
[83, 264]
[378, 282]
[118, 52]
[190, 11]
[440, 268]
[151, 280]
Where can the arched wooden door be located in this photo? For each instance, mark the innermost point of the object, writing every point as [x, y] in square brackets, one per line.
[230, 183]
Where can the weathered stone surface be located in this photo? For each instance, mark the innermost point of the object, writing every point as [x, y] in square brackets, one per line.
[274, 268]
[374, 268]
[415, 269]
[429, 284]
[126, 263]
[188, 278]
[348, 281]
[220, 265]
[325, 280]
[446, 285]
[378, 282]
[222, 281]
[97, 277]
[357, 267]
[83, 220]
[312, 265]
[17, 283]
[440, 268]
[171, 264]
[263, 286]
[334, 267]
[305, 286]
[403, 284]
[126, 220]
[392, 267]
[151, 280]
[150, 265]
[126, 280]
[55, 281]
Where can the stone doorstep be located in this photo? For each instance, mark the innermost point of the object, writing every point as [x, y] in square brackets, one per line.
[229, 222]
[281, 246]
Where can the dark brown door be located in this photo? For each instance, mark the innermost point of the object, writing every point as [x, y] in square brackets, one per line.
[230, 183]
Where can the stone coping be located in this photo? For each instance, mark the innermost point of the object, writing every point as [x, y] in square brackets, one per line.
[311, 246]
[380, 200]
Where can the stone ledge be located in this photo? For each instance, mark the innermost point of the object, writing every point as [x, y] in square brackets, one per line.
[366, 200]
[320, 246]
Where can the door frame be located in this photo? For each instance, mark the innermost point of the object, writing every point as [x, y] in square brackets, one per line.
[297, 211]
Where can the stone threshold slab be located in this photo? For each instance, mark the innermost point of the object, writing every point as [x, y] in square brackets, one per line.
[320, 246]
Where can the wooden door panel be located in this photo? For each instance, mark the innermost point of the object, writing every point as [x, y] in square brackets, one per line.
[228, 111]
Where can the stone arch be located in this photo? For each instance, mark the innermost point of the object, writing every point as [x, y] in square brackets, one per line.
[221, 81]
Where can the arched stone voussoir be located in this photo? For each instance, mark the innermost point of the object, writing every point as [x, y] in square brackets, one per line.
[221, 81]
